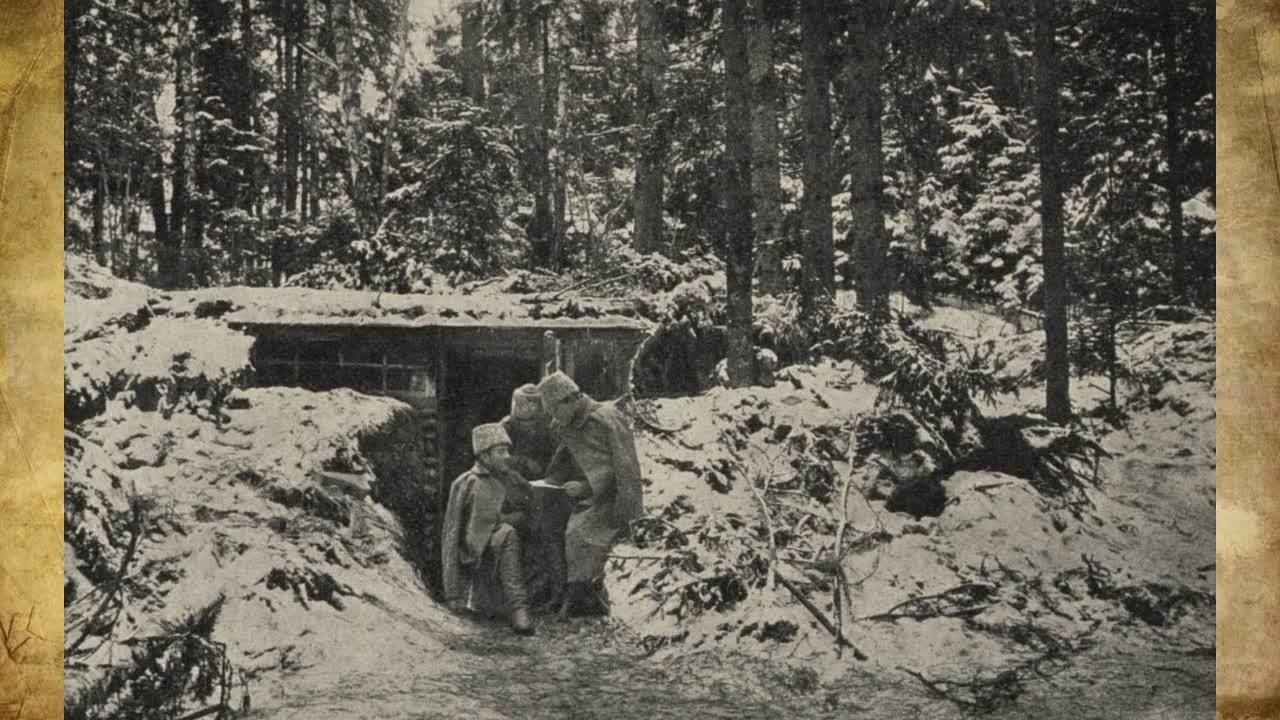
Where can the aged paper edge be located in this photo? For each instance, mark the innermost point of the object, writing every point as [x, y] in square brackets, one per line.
[1248, 383]
[31, 176]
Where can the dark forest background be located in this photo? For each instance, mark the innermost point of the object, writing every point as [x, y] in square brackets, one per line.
[1039, 155]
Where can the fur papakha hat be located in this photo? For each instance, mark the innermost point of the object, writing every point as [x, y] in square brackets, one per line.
[489, 435]
[555, 387]
[526, 403]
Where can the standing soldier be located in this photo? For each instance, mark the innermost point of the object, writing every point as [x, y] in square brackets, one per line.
[529, 428]
[481, 546]
[532, 447]
[598, 441]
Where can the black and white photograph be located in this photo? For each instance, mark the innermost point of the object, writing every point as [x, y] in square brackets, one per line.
[574, 359]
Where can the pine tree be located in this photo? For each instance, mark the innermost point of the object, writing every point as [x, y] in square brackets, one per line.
[472, 61]
[766, 173]
[864, 108]
[1170, 28]
[1057, 378]
[651, 139]
[737, 191]
[819, 254]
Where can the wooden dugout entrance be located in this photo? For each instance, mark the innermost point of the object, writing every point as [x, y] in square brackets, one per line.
[455, 377]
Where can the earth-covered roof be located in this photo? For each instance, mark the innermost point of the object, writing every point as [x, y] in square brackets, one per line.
[299, 306]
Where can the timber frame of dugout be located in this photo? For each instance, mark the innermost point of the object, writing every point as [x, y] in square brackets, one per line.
[454, 376]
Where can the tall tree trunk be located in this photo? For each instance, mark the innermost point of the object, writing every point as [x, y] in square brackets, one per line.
[135, 233]
[530, 117]
[1057, 387]
[766, 172]
[297, 139]
[170, 268]
[815, 206]
[194, 260]
[208, 55]
[313, 180]
[553, 113]
[284, 109]
[1003, 23]
[73, 70]
[249, 96]
[118, 256]
[1173, 146]
[100, 216]
[739, 249]
[296, 70]
[304, 179]
[283, 123]
[651, 141]
[349, 82]
[159, 211]
[247, 110]
[472, 59]
[393, 108]
[1206, 39]
[113, 224]
[282, 113]
[217, 69]
[864, 107]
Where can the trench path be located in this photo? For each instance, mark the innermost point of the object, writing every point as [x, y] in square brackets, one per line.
[587, 669]
[579, 670]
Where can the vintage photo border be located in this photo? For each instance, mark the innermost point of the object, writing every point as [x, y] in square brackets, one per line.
[1248, 390]
[31, 358]
[1248, 385]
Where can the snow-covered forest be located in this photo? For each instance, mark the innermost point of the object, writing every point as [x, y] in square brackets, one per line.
[924, 404]
[354, 143]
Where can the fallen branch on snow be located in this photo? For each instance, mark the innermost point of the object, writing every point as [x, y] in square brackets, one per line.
[820, 616]
[137, 525]
[768, 524]
[660, 428]
[977, 592]
[584, 285]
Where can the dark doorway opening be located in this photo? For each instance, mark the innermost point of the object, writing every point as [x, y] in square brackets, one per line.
[477, 389]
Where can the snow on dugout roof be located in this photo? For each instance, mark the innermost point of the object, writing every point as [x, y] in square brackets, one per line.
[302, 306]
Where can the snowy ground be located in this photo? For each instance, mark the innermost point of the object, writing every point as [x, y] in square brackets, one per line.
[1151, 526]
[322, 615]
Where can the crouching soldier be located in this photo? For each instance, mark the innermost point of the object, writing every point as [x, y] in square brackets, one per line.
[481, 547]
[610, 495]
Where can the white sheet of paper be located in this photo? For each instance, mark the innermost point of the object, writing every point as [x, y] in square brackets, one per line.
[545, 484]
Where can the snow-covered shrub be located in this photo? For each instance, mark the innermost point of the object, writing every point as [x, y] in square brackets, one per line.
[914, 367]
[987, 208]
[166, 675]
[782, 326]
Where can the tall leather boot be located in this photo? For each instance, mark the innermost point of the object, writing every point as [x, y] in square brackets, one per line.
[512, 578]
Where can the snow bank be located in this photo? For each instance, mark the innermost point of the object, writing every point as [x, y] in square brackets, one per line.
[237, 510]
[1005, 573]
[95, 302]
[186, 490]
[167, 361]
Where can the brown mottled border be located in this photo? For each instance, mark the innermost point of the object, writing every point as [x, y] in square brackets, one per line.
[1248, 137]
[30, 359]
